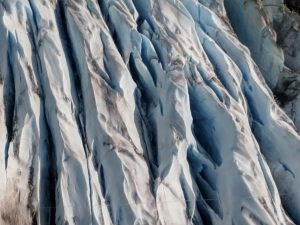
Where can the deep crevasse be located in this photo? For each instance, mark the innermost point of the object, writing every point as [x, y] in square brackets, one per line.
[140, 112]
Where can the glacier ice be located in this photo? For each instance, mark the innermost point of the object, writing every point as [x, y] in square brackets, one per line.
[149, 112]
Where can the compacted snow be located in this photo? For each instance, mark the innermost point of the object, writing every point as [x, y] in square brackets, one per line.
[135, 112]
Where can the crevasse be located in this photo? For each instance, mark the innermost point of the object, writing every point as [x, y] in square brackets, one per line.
[149, 112]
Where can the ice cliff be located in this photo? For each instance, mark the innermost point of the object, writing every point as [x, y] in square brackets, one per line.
[149, 112]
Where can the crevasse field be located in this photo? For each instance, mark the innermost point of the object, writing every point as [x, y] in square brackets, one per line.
[149, 112]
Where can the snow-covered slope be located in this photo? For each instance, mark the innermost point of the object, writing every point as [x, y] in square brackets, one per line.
[146, 112]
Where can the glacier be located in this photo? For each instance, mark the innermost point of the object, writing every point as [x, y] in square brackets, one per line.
[135, 112]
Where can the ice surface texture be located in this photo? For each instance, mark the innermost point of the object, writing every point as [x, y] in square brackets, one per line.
[135, 112]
